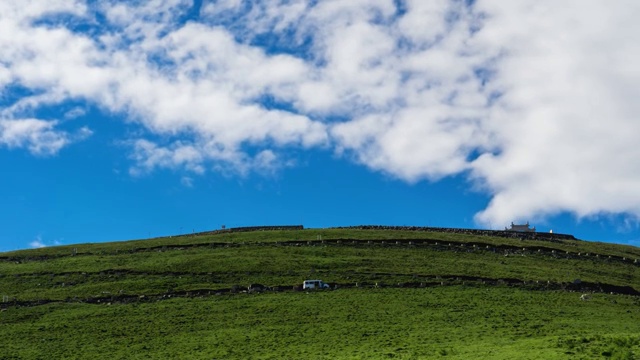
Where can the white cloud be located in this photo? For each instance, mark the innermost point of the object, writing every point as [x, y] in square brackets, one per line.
[567, 120]
[149, 156]
[208, 86]
[39, 243]
[39, 136]
[74, 113]
[186, 181]
[534, 100]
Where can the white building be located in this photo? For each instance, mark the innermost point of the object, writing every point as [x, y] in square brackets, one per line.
[520, 228]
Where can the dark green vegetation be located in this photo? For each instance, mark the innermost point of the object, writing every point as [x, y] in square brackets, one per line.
[437, 295]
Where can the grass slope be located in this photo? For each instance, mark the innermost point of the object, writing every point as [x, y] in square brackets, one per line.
[532, 319]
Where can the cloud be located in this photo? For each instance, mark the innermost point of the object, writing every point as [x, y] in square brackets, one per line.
[39, 136]
[188, 81]
[566, 119]
[74, 113]
[148, 156]
[186, 181]
[533, 101]
[39, 243]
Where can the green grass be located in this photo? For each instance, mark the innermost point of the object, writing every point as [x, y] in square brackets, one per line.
[218, 268]
[456, 322]
[327, 234]
[472, 321]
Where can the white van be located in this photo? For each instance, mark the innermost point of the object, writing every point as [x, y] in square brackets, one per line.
[314, 284]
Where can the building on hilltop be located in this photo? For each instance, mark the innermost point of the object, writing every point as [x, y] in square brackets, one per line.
[520, 228]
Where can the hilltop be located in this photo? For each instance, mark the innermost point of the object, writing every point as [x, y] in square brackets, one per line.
[405, 292]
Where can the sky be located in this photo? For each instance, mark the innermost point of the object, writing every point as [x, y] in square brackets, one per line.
[133, 119]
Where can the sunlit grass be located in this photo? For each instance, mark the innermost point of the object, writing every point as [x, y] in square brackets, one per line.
[455, 321]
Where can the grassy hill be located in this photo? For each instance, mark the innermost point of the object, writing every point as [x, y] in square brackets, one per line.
[396, 293]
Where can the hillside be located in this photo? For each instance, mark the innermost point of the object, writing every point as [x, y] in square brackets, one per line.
[396, 292]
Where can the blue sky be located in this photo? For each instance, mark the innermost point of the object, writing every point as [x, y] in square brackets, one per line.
[127, 120]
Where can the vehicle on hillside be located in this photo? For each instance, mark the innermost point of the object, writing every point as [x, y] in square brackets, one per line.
[314, 284]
